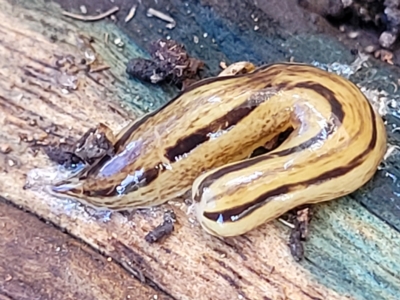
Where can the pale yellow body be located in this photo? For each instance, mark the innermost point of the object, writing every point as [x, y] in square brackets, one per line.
[203, 138]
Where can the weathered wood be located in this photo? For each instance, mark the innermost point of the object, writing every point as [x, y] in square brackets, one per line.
[38, 261]
[354, 246]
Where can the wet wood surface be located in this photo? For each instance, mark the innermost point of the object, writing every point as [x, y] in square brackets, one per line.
[354, 246]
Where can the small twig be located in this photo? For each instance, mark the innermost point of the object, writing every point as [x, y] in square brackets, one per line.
[131, 14]
[99, 69]
[390, 150]
[151, 12]
[91, 18]
[286, 223]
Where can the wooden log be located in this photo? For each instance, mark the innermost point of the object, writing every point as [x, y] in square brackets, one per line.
[354, 245]
[38, 261]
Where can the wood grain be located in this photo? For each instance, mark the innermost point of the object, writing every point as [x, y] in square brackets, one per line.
[352, 253]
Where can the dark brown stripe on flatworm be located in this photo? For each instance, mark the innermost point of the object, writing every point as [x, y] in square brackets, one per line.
[187, 144]
[236, 213]
[337, 116]
[336, 106]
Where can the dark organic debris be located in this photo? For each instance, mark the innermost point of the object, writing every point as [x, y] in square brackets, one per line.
[170, 62]
[296, 245]
[93, 145]
[62, 154]
[163, 230]
[301, 220]
[145, 70]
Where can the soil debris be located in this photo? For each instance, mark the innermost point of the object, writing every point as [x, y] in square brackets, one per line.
[62, 154]
[95, 144]
[300, 219]
[170, 62]
[162, 230]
